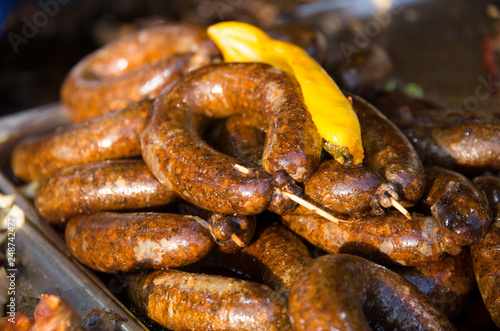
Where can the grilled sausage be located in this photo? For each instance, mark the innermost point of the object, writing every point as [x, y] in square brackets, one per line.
[133, 68]
[449, 283]
[391, 238]
[456, 204]
[275, 256]
[175, 153]
[344, 292]
[231, 232]
[389, 152]
[468, 147]
[114, 242]
[486, 263]
[105, 186]
[111, 136]
[490, 185]
[188, 301]
[351, 190]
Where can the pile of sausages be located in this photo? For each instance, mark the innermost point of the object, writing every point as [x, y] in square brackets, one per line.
[162, 124]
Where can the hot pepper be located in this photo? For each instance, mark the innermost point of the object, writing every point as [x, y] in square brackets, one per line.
[331, 112]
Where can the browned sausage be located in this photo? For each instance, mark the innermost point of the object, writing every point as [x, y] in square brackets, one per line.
[351, 190]
[391, 238]
[242, 138]
[231, 232]
[468, 147]
[111, 136]
[449, 283]
[113, 242]
[389, 152]
[276, 256]
[457, 204]
[490, 185]
[187, 301]
[345, 292]
[134, 67]
[110, 185]
[175, 153]
[486, 263]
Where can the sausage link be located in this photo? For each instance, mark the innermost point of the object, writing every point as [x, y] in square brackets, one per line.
[175, 153]
[456, 204]
[486, 264]
[113, 242]
[111, 136]
[344, 292]
[134, 67]
[188, 301]
[388, 151]
[275, 256]
[468, 147]
[105, 186]
[224, 228]
[449, 283]
[351, 190]
[391, 238]
[490, 185]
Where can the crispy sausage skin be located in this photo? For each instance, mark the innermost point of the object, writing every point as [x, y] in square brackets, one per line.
[188, 301]
[113, 242]
[275, 256]
[449, 283]
[175, 153]
[225, 227]
[345, 292]
[390, 238]
[111, 136]
[486, 263]
[457, 204]
[468, 147]
[388, 151]
[104, 186]
[133, 68]
[351, 190]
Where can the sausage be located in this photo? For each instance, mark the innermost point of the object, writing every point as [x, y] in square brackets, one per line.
[187, 301]
[351, 190]
[344, 292]
[468, 147]
[449, 283]
[224, 228]
[390, 239]
[275, 256]
[486, 264]
[456, 204]
[175, 153]
[109, 185]
[113, 242]
[111, 136]
[134, 67]
[242, 138]
[389, 152]
[490, 185]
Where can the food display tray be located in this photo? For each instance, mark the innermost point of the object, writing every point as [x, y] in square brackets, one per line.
[45, 262]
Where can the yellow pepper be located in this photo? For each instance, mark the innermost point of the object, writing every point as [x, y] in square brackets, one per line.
[331, 112]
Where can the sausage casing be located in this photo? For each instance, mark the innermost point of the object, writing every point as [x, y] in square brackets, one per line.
[391, 238]
[187, 301]
[104, 186]
[112, 242]
[345, 292]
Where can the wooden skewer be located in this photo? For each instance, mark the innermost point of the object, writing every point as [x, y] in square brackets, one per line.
[401, 209]
[237, 240]
[300, 201]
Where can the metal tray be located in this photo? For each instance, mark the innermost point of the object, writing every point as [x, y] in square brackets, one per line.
[47, 265]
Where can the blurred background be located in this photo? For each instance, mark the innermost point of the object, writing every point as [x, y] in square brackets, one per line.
[447, 49]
